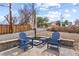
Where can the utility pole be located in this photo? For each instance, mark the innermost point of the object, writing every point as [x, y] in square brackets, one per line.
[10, 18]
[34, 19]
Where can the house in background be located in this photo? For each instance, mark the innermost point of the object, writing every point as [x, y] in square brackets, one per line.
[77, 23]
[69, 24]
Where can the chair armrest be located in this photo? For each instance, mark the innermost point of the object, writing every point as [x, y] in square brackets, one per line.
[29, 37]
[49, 40]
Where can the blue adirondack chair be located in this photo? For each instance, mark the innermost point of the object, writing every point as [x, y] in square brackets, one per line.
[54, 40]
[24, 41]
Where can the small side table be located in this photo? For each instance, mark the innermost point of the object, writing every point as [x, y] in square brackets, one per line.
[36, 42]
[43, 40]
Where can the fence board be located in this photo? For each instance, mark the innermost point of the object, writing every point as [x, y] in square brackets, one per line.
[4, 29]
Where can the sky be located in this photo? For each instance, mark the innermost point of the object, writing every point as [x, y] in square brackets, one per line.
[54, 11]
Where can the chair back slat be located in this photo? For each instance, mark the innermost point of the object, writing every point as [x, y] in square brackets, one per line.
[55, 37]
[23, 36]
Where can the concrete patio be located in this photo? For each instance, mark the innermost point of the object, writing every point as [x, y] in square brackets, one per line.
[40, 51]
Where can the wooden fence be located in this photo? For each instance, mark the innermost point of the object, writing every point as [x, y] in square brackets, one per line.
[5, 29]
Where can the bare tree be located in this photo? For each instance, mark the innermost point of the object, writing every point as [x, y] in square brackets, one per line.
[10, 16]
[7, 18]
[25, 15]
[14, 19]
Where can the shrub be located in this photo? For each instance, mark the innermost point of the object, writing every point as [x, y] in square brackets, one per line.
[70, 29]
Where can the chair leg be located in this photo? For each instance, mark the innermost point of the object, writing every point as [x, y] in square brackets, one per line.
[47, 45]
[32, 45]
[24, 49]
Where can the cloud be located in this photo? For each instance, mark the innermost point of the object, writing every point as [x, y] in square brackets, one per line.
[1, 19]
[43, 8]
[66, 11]
[67, 15]
[52, 15]
[74, 3]
[74, 10]
[46, 5]
[22, 6]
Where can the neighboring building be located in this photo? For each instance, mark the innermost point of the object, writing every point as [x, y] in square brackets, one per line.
[59, 23]
[69, 24]
[77, 23]
[53, 23]
[56, 23]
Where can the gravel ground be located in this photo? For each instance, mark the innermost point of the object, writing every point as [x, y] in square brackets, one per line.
[64, 35]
